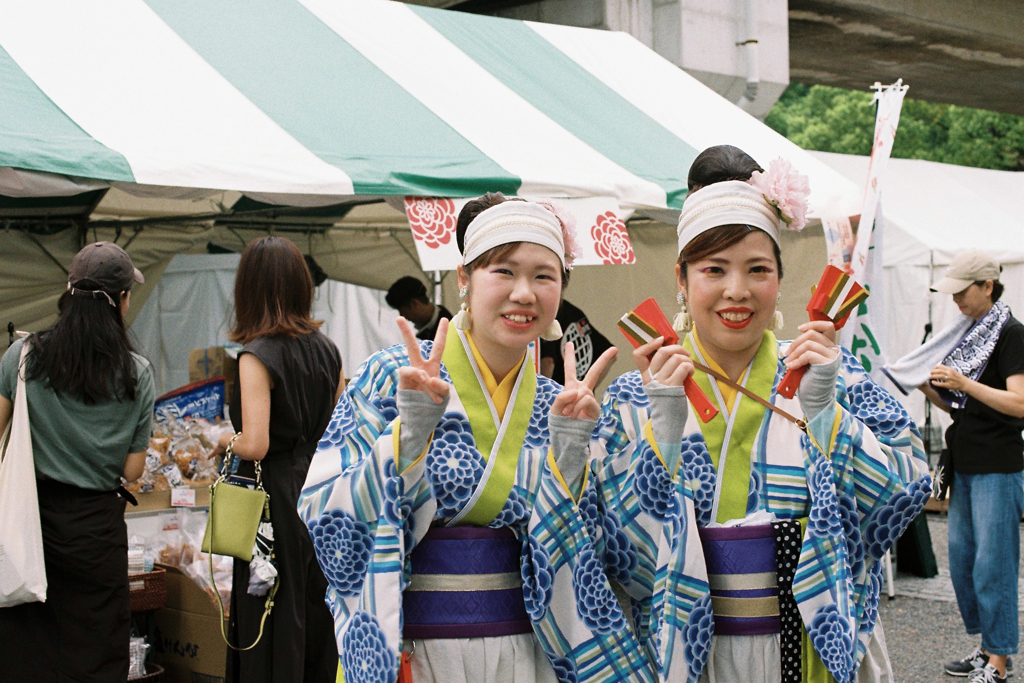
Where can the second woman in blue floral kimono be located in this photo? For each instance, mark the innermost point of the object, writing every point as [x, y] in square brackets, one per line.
[754, 538]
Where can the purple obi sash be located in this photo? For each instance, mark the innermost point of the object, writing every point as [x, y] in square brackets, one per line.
[466, 583]
[742, 572]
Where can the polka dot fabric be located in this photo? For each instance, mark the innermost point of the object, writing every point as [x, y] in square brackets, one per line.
[787, 554]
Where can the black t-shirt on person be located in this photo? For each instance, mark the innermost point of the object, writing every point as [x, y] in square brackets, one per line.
[430, 331]
[589, 343]
[982, 440]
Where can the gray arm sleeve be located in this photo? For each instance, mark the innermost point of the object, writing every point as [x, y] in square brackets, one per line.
[669, 411]
[570, 442]
[420, 416]
[818, 387]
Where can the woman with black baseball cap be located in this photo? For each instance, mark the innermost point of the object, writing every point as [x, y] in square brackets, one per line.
[90, 406]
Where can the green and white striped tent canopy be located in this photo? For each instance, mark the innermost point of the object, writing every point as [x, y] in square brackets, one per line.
[160, 110]
[289, 99]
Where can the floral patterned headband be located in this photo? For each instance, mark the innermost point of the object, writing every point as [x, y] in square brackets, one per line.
[544, 223]
[768, 201]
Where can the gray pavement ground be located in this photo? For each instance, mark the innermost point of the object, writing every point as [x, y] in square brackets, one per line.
[922, 624]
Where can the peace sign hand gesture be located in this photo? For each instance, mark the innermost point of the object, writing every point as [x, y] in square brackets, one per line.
[423, 375]
[577, 398]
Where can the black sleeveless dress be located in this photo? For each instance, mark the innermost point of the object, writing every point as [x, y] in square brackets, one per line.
[298, 639]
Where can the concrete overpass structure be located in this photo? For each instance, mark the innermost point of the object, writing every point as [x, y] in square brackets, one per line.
[965, 52]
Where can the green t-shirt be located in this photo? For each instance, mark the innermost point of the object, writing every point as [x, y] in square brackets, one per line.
[78, 444]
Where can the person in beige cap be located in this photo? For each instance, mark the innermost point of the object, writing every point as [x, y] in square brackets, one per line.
[980, 383]
[90, 407]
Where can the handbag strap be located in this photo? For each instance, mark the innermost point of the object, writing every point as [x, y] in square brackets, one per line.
[220, 602]
[747, 392]
[19, 394]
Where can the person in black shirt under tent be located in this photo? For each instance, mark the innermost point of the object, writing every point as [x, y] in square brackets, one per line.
[588, 342]
[408, 296]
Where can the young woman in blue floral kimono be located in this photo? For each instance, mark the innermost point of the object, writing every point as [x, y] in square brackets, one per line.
[437, 501]
[749, 546]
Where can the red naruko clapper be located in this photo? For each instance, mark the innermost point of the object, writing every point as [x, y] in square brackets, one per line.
[646, 323]
[834, 298]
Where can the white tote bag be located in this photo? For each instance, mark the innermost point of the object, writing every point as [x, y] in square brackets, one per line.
[22, 572]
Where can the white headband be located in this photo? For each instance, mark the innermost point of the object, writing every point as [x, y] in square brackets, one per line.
[513, 221]
[731, 202]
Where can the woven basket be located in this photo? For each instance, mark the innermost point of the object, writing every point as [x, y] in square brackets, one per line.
[155, 675]
[148, 591]
[206, 678]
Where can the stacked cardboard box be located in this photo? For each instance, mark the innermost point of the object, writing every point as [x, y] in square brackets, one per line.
[188, 636]
[214, 361]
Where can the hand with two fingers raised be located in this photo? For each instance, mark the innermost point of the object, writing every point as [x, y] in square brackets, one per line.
[422, 395]
[576, 399]
[573, 417]
[423, 374]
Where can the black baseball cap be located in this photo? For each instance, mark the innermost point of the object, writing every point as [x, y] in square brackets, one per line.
[105, 265]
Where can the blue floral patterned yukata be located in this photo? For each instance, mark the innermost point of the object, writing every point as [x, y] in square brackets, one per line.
[855, 496]
[365, 519]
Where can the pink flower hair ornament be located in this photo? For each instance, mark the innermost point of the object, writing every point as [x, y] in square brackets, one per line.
[568, 223]
[785, 189]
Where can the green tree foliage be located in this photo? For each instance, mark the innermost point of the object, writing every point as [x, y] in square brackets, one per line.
[837, 120]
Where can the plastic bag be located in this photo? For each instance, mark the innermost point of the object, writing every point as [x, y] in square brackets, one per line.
[197, 566]
[137, 649]
[262, 569]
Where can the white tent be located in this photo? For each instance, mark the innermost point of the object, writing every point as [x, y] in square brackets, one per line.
[932, 212]
[190, 307]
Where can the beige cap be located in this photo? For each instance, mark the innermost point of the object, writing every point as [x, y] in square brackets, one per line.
[965, 269]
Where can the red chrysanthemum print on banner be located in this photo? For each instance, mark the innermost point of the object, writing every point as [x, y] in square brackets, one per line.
[611, 241]
[432, 220]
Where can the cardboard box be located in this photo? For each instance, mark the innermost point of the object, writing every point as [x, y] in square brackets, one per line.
[214, 361]
[187, 632]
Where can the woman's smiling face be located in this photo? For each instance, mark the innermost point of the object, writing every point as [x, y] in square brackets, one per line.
[731, 295]
[513, 299]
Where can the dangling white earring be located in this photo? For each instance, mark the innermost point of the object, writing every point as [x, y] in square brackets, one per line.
[683, 322]
[461, 320]
[553, 333]
[777, 319]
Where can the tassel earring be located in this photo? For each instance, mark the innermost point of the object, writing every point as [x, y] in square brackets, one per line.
[777, 320]
[553, 333]
[461, 320]
[683, 322]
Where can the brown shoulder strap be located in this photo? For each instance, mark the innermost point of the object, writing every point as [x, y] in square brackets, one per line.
[746, 392]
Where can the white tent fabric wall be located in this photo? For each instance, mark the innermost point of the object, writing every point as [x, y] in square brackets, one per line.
[934, 211]
[190, 308]
[357, 319]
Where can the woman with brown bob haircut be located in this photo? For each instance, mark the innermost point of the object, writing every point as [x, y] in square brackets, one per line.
[289, 378]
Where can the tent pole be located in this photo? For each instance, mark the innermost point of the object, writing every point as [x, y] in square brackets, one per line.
[437, 288]
[45, 251]
[927, 331]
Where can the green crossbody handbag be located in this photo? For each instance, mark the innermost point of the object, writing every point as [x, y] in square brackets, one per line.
[231, 528]
[234, 518]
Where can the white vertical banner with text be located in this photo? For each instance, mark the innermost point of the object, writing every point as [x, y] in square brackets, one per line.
[861, 334]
